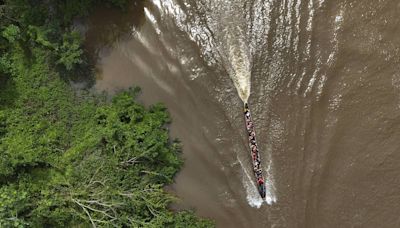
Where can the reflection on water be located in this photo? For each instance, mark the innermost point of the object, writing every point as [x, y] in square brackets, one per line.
[324, 97]
[107, 25]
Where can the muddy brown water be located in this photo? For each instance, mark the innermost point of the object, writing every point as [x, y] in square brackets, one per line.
[325, 98]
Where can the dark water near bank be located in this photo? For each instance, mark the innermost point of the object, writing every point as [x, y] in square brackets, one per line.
[325, 98]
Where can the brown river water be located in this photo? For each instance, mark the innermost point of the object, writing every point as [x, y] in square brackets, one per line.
[322, 80]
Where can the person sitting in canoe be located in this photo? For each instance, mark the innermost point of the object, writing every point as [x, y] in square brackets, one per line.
[260, 181]
[249, 125]
[251, 138]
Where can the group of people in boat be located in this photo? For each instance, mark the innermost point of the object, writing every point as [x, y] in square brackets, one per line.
[253, 146]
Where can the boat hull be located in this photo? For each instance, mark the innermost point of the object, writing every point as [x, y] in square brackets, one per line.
[254, 151]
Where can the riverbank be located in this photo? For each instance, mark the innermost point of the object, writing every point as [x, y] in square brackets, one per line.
[73, 158]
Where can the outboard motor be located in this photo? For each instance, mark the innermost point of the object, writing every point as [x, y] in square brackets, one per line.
[262, 190]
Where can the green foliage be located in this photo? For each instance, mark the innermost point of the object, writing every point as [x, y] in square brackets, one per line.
[69, 160]
[12, 33]
[77, 160]
[40, 35]
[186, 219]
[5, 66]
[12, 204]
[70, 52]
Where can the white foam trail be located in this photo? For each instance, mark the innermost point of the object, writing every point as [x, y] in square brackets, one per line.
[221, 39]
[260, 25]
[252, 195]
[240, 63]
[396, 85]
[338, 24]
[270, 196]
[152, 19]
[315, 75]
[237, 52]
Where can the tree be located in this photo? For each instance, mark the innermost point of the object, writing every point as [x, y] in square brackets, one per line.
[76, 160]
[12, 33]
[70, 52]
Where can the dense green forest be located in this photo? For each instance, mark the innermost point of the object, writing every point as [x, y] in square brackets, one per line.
[70, 158]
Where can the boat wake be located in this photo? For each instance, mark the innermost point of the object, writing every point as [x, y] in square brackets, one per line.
[224, 40]
[239, 65]
[239, 69]
[252, 195]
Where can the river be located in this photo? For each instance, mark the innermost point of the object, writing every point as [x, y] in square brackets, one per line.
[323, 83]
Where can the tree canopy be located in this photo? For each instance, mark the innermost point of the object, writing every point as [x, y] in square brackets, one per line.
[72, 158]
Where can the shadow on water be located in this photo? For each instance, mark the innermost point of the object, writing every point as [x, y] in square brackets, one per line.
[118, 26]
[100, 35]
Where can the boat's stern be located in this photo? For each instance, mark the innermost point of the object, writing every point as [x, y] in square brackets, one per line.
[246, 107]
[262, 190]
